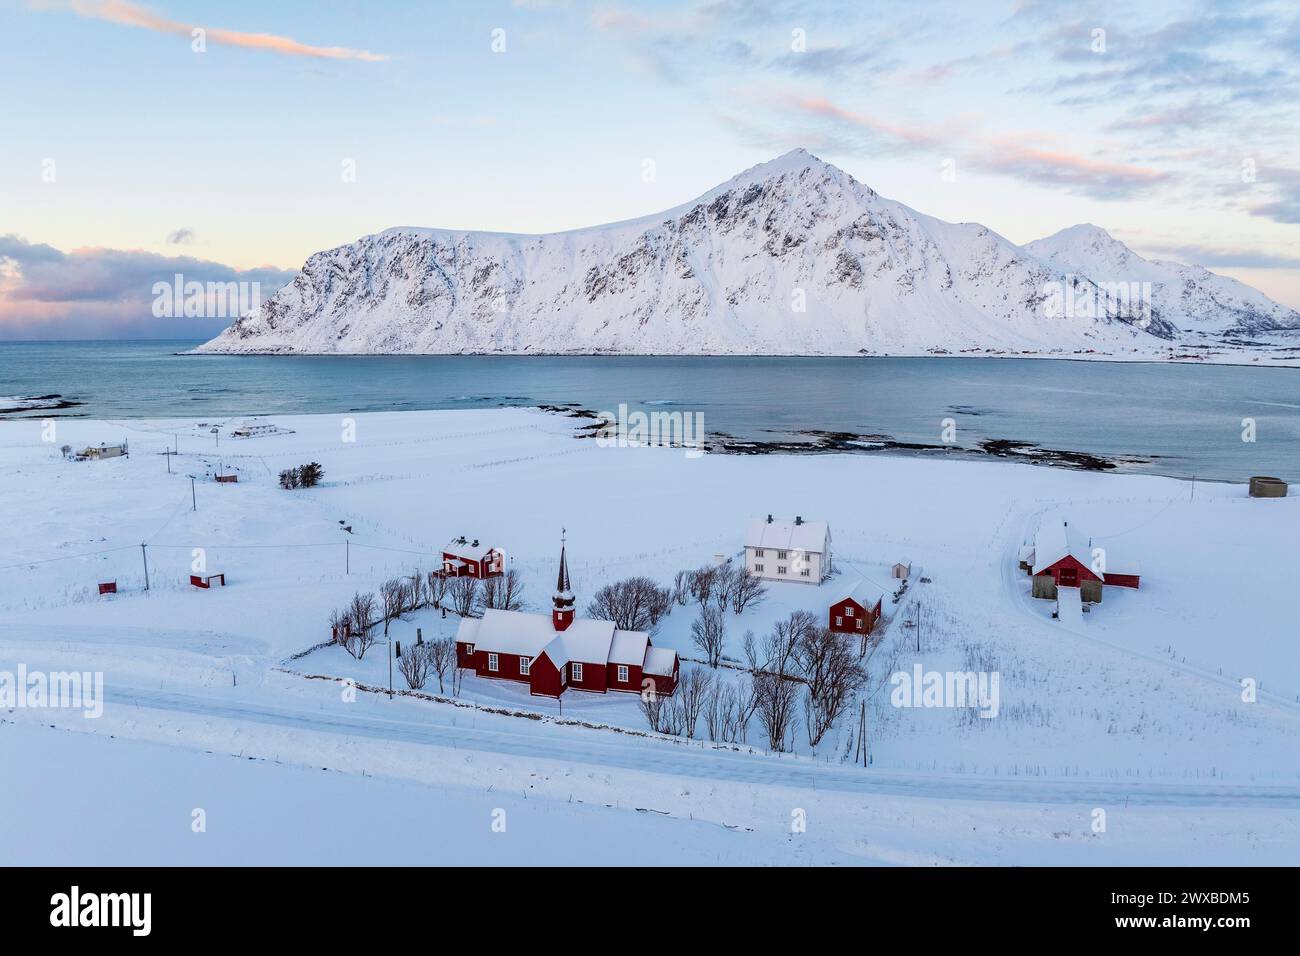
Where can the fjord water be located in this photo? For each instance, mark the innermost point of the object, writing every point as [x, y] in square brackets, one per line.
[1188, 419]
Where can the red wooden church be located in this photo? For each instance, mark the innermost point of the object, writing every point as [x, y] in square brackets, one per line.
[554, 653]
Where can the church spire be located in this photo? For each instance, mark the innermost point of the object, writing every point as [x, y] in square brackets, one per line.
[562, 615]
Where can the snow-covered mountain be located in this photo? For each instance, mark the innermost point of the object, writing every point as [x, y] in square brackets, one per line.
[1192, 298]
[793, 256]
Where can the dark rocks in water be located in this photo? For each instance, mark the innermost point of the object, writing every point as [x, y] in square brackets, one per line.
[822, 441]
[35, 406]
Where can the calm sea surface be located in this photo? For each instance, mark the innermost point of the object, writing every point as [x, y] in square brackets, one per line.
[1187, 419]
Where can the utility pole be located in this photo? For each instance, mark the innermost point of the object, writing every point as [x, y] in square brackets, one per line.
[347, 556]
[194, 502]
[390, 668]
[144, 555]
[1193, 497]
[167, 452]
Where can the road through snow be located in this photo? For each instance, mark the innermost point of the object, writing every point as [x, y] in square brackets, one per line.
[453, 728]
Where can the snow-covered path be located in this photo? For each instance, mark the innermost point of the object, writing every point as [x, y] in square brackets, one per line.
[456, 729]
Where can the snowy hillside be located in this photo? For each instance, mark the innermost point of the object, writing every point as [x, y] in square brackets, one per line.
[1192, 298]
[793, 256]
[228, 692]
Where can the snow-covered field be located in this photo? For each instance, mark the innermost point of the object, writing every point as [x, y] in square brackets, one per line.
[1136, 711]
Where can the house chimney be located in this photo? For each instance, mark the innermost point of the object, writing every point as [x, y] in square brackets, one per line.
[798, 520]
[475, 544]
[769, 519]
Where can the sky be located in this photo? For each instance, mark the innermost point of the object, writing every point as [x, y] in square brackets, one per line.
[133, 148]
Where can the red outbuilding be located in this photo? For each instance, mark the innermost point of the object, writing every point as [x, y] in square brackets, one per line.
[857, 609]
[1061, 557]
[466, 558]
[556, 652]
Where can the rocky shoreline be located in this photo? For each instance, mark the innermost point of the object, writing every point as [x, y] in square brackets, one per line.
[819, 441]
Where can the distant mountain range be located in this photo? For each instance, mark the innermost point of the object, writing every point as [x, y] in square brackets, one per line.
[791, 257]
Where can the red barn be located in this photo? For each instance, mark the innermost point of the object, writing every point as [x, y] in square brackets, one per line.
[1062, 557]
[463, 557]
[553, 653]
[857, 609]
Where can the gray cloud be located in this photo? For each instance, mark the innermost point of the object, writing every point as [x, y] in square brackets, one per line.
[106, 293]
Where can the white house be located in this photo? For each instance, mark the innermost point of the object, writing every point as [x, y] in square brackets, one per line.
[781, 550]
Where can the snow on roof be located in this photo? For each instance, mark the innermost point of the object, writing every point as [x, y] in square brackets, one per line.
[1056, 539]
[1117, 564]
[472, 548]
[629, 647]
[810, 536]
[516, 632]
[467, 633]
[862, 591]
[659, 661]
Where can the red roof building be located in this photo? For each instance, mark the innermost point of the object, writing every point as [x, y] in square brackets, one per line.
[857, 609]
[556, 652]
[466, 558]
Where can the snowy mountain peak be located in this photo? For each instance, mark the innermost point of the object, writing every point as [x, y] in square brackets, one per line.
[790, 257]
[1189, 297]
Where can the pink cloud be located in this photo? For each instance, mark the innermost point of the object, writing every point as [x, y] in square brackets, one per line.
[134, 15]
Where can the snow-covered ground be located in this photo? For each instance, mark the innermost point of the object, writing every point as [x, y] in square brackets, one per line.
[1136, 711]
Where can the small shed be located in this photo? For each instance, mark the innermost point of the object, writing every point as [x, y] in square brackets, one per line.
[206, 581]
[1263, 486]
[227, 479]
[107, 587]
[901, 570]
[95, 453]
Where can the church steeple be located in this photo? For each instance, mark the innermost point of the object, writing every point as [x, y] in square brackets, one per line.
[562, 615]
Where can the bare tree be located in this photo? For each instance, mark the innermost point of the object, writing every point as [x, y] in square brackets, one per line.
[748, 589]
[633, 604]
[709, 631]
[833, 674]
[341, 627]
[463, 594]
[392, 600]
[681, 587]
[505, 592]
[746, 704]
[652, 705]
[776, 652]
[700, 583]
[361, 612]
[724, 583]
[776, 697]
[442, 658]
[719, 709]
[416, 595]
[693, 691]
[437, 588]
[672, 719]
[413, 662]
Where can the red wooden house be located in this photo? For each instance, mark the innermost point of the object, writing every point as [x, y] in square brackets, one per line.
[553, 653]
[463, 557]
[857, 609]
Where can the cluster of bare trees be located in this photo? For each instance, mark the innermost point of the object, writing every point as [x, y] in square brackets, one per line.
[417, 660]
[705, 702]
[470, 597]
[353, 626]
[633, 604]
[724, 585]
